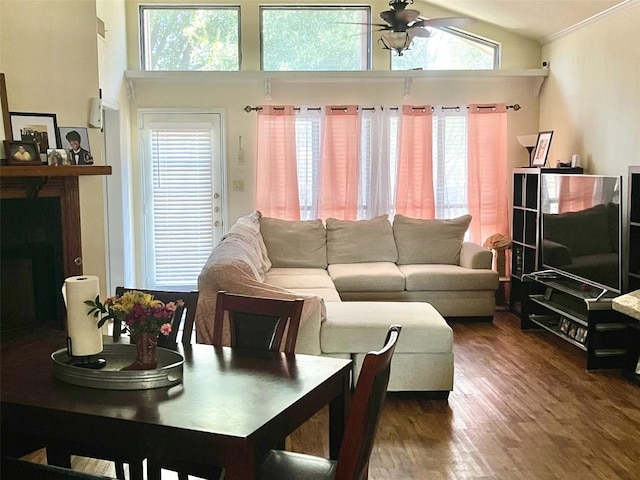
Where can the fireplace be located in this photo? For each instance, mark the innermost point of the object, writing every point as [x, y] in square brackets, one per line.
[32, 269]
[40, 245]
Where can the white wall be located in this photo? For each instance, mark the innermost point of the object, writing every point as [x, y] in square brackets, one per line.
[592, 97]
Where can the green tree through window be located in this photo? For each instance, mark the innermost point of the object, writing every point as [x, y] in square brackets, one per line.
[315, 38]
[190, 38]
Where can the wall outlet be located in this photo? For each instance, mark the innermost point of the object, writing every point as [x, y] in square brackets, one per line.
[238, 185]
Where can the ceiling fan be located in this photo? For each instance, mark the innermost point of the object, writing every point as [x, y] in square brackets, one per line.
[403, 24]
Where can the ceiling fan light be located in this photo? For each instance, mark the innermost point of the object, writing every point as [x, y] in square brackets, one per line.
[398, 41]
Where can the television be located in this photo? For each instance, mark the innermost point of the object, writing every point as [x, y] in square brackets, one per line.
[581, 236]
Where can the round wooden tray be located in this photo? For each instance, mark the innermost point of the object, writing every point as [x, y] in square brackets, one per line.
[111, 377]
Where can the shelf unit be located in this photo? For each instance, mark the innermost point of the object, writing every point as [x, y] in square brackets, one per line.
[633, 231]
[580, 315]
[525, 227]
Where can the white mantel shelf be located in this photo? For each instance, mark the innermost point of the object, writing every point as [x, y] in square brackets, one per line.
[370, 76]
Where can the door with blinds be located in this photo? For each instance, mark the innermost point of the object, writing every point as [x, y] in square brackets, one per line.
[183, 178]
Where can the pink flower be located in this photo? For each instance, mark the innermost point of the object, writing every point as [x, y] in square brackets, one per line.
[165, 329]
[171, 306]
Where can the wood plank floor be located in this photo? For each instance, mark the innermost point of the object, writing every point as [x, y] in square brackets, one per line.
[523, 407]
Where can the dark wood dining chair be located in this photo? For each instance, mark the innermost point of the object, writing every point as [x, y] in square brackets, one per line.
[255, 323]
[18, 469]
[360, 429]
[182, 322]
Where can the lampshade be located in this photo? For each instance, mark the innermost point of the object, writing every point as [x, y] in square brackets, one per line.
[528, 140]
[398, 41]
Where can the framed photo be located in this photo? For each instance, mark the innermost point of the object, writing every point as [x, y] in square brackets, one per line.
[573, 329]
[541, 151]
[22, 153]
[41, 128]
[564, 325]
[76, 141]
[581, 335]
[57, 157]
[5, 122]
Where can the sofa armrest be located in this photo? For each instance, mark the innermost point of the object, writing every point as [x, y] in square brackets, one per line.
[556, 254]
[475, 256]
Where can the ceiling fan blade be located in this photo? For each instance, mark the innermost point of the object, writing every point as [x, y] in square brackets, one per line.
[362, 23]
[443, 22]
[418, 32]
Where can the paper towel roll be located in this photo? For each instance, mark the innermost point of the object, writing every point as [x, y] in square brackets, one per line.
[84, 336]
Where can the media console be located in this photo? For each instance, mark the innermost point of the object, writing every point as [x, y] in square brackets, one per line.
[579, 313]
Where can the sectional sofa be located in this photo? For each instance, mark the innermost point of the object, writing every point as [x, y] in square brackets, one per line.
[357, 278]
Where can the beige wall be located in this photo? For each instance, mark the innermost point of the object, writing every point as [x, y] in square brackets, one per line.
[49, 53]
[592, 97]
[209, 91]
[51, 67]
[233, 97]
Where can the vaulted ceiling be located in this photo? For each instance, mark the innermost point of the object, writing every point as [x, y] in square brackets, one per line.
[537, 19]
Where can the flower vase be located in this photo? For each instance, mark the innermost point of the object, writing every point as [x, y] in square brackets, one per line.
[146, 358]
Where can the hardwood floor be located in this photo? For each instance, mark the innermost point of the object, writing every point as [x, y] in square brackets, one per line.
[523, 407]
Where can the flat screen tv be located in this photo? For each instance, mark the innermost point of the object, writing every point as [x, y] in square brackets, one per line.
[581, 228]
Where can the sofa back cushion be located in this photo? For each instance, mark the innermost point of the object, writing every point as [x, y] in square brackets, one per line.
[429, 241]
[584, 233]
[358, 241]
[295, 244]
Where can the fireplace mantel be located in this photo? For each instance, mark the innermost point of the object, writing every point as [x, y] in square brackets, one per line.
[60, 171]
[34, 181]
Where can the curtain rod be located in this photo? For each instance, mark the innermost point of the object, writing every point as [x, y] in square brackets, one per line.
[515, 107]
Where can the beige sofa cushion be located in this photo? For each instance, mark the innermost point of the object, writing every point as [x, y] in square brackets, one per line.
[363, 277]
[437, 277]
[429, 241]
[297, 278]
[295, 243]
[360, 241]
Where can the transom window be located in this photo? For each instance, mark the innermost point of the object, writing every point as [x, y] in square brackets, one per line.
[448, 49]
[192, 38]
[315, 38]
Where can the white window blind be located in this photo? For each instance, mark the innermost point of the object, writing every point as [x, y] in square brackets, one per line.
[308, 135]
[450, 162]
[179, 232]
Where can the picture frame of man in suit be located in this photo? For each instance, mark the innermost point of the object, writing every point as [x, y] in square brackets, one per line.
[77, 146]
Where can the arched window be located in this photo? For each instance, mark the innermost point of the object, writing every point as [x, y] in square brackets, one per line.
[448, 49]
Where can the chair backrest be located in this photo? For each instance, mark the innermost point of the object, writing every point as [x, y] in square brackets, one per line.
[17, 469]
[257, 323]
[364, 410]
[182, 320]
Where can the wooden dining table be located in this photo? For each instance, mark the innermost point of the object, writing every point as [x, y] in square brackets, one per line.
[229, 409]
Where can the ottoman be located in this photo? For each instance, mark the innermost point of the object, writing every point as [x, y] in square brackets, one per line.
[423, 359]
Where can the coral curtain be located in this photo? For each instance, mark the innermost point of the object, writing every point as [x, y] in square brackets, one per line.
[487, 171]
[339, 163]
[277, 170]
[574, 196]
[414, 195]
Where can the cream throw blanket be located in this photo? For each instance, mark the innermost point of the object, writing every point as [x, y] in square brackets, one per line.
[238, 265]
